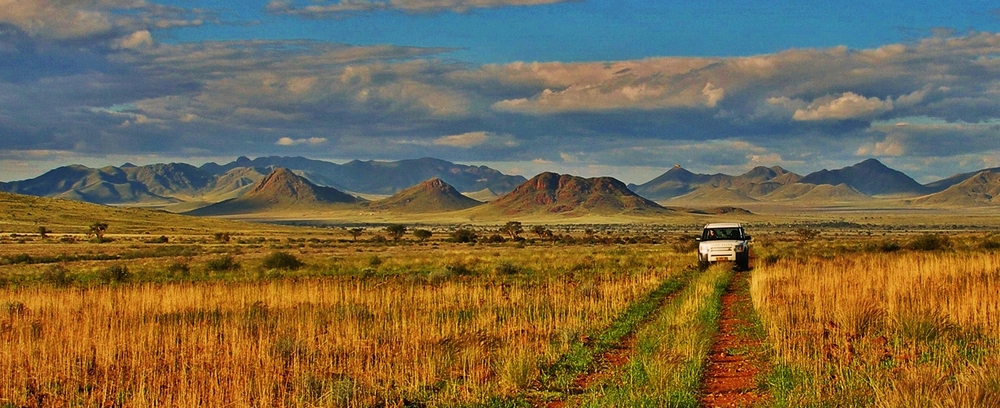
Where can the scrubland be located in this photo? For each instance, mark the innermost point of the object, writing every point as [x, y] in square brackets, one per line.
[351, 325]
[850, 315]
[884, 324]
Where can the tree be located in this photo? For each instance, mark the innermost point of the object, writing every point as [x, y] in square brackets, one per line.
[396, 231]
[464, 235]
[98, 229]
[422, 234]
[43, 232]
[355, 233]
[512, 229]
[539, 230]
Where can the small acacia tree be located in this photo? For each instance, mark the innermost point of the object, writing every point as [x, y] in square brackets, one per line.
[355, 233]
[422, 234]
[98, 229]
[396, 231]
[512, 229]
[43, 232]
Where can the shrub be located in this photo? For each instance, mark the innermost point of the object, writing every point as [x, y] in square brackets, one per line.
[463, 235]
[458, 268]
[223, 263]
[374, 261]
[929, 242]
[422, 234]
[494, 239]
[57, 275]
[282, 260]
[162, 239]
[506, 268]
[178, 268]
[115, 273]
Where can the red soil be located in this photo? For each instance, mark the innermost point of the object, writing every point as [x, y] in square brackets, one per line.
[729, 379]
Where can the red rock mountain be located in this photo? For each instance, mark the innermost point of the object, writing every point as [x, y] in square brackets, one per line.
[564, 194]
[433, 195]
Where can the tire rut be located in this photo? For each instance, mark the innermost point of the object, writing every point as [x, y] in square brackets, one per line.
[734, 360]
[619, 354]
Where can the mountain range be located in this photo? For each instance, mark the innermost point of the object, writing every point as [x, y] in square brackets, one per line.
[433, 185]
[166, 184]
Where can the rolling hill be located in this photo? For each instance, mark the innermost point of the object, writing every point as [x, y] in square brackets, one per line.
[817, 194]
[382, 177]
[870, 177]
[679, 182]
[282, 189]
[24, 214]
[571, 195]
[431, 196]
[980, 189]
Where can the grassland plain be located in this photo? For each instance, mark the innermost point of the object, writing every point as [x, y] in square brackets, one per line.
[916, 324]
[860, 308]
[441, 324]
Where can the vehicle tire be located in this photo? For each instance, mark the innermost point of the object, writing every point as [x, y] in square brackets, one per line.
[702, 263]
[743, 262]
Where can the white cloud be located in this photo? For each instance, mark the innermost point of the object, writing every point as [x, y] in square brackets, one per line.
[136, 40]
[313, 141]
[328, 8]
[465, 140]
[847, 106]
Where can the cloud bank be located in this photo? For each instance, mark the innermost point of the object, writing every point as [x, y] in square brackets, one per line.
[117, 91]
[331, 8]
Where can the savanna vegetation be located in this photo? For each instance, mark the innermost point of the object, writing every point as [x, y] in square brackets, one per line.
[478, 315]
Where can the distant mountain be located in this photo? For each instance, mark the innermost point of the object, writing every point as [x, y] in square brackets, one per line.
[982, 188]
[566, 194]
[870, 177]
[675, 182]
[107, 185]
[381, 177]
[433, 195]
[679, 182]
[170, 180]
[816, 194]
[280, 190]
[179, 182]
[943, 184]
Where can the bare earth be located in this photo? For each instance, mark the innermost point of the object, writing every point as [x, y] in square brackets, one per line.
[729, 379]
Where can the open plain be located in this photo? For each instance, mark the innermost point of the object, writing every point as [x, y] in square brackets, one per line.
[842, 306]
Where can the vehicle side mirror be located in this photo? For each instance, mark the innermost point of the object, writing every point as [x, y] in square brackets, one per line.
[747, 237]
[697, 239]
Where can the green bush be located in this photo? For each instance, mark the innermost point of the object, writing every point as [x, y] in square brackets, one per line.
[115, 273]
[507, 268]
[282, 260]
[929, 242]
[221, 264]
[57, 275]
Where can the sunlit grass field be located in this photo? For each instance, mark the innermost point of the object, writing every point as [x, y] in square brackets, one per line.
[237, 315]
[445, 325]
[911, 326]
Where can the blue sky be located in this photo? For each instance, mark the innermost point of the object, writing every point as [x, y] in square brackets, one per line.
[619, 88]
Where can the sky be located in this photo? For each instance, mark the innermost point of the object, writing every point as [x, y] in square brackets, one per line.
[624, 88]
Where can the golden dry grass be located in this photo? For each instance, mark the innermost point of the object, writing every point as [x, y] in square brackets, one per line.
[463, 326]
[898, 329]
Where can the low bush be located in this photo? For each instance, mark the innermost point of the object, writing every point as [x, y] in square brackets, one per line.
[929, 242]
[115, 273]
[282, 260]
[222, 264]
[57, 275]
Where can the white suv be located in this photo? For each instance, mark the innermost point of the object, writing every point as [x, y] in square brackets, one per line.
[724, 242]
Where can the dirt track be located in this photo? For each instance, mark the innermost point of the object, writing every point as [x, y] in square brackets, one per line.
[730, 376]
